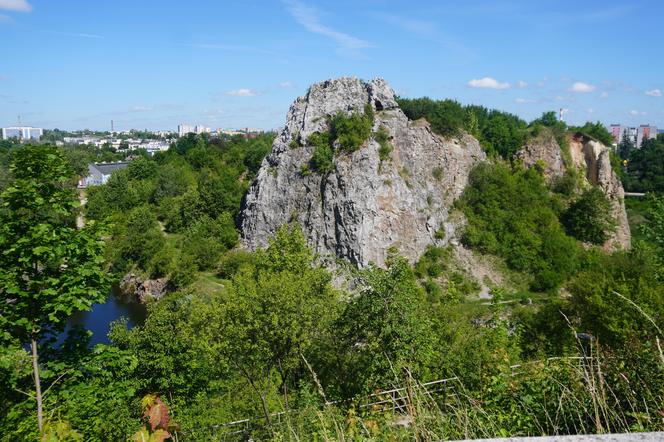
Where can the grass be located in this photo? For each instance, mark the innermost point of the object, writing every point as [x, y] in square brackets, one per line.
[557, 396]
[636, 215]
[207, 283]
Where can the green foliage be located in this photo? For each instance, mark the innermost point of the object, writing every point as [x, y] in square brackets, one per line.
[385, 330]
[184, 272]
[597, 131]
[382, 137]
[141, 169]
[610, 317]
[135, 241]
[498, 132]
[322, 160]
[271, 314]
[207, 238]
[351, 131]
[231, 263]
[116, 196]
[48, 268]
[220, 192]
[511, 215]
[653, 228]
[433, 262]
[347, 133]
[625, 147]
[172, 181]
[645, 168]
[446, 117]
[590, 218]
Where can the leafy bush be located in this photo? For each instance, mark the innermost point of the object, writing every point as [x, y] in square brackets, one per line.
[322, 160]
[589, 218]
[510, 214]
[597, 131]
[499, 133]
[350, 132]
[382, 137]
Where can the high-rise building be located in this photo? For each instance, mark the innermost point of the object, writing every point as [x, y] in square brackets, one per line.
[22, 133]
[636, 134]
[645, 132]
[184, 129]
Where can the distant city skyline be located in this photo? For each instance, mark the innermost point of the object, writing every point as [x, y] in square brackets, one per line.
[240, 63]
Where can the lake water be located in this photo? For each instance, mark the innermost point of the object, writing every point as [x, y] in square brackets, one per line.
[98, 319]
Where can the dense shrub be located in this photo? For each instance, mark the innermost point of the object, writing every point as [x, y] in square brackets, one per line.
[597, 131]
[382, 137]
[499, 133]
[511, 214]
[322, 160]
[589, 218]
[351, 131]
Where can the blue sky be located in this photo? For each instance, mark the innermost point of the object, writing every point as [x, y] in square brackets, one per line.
[76, 64]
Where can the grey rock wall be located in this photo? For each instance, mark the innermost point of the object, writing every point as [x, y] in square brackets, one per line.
[365, 206]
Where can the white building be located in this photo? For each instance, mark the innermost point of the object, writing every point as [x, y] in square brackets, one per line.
[99, 173]
[184, 129]
[22, 133]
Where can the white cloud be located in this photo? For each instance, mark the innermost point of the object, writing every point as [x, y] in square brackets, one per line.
[488, 83]
[5, 19]
[635, 112]
[521, 84]
[16, 5]
[419, 27]
[582, 87]
[308, 17]
[590, 110]
[604, 94]
[242, 92]
[142, 108]
[286, 85]
[654, 93]
[524, 101]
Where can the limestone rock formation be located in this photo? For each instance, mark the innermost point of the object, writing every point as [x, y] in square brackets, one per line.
[136, 289]
[543, 149]
[365, 206]
[592, 159]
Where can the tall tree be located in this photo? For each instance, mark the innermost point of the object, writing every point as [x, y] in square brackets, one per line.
[272, 314]
[48, 268]
[625, 146]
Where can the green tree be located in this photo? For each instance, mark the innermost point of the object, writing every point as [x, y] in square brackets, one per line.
[269, 318]
[385, 330]
[653, 229]
[511, 214]
[597, 131]
[626, 146]
[48, 268]
[220, 192]
[589, 218]
[136, 238]
[351, 131]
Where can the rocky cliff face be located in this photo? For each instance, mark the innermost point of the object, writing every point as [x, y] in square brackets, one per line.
[364, 206]
[592, 159]
[136, 289]
[543, 149]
